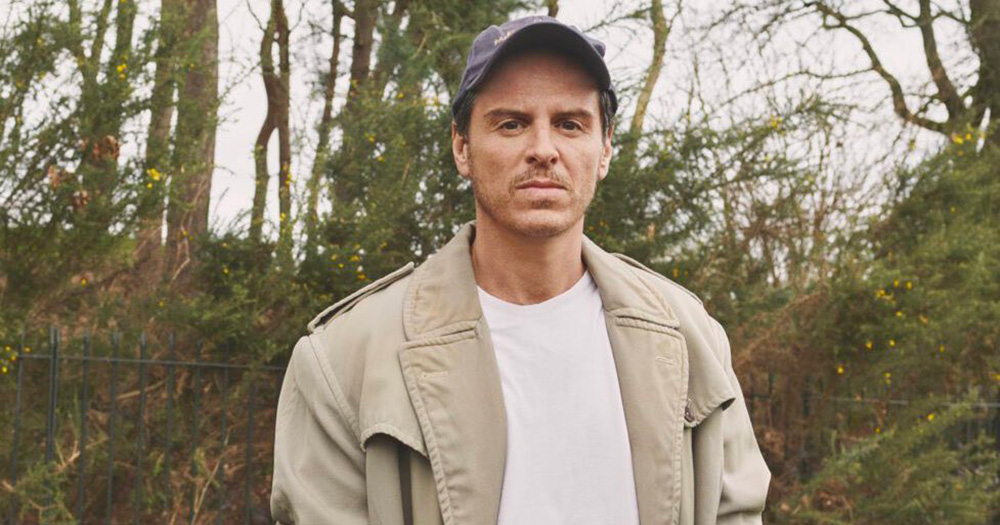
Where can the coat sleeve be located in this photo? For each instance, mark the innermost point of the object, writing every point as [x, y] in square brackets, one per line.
[745, 476]
[319, 473]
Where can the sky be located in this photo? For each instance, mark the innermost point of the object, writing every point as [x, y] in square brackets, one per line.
[629, 54]
[715, 63]
[245, 106]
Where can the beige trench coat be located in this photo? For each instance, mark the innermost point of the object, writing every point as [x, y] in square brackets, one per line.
[391, 411]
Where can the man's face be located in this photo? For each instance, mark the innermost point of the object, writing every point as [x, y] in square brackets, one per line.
[535, 149]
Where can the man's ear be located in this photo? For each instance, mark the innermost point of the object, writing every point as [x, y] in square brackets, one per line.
[460, 151]
[606, 151]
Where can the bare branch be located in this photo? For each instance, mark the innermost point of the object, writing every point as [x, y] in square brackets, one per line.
[945, 88]
[898, 96]
[661, 31]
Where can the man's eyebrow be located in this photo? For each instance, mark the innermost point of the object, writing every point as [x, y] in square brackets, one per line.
[502, 113]
[582, 114]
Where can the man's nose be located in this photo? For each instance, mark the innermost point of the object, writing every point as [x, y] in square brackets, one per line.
[542, 151]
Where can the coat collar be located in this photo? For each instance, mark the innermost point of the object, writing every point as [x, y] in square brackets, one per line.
[453, 381]
[443, 297]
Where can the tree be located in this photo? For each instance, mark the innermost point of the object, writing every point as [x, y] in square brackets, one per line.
[323, 132]
[194, 144]
[148, 251]
[964, 102]
[276, 85]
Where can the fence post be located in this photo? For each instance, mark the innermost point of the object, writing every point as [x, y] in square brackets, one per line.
[225, 434]
[115, 342]
[803, 452]
[50, 425]
[140, 424]
[248, 474]
[169, 442]
[17, 422]
[82, 471]
[195, 432]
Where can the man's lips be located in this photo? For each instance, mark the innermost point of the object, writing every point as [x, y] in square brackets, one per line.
[547, 184]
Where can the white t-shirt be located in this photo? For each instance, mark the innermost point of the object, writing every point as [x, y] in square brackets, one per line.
[568, 456]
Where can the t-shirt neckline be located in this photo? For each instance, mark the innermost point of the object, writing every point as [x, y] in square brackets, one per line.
[569, 296]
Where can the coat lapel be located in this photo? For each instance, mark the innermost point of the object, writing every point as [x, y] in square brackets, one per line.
[451, 374]
[652, 364]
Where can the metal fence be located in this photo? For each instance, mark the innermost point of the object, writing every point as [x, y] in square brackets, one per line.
[163, 436]
[866, 410]
[182, 432]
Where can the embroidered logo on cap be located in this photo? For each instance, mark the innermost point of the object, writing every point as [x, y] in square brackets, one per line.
[503, 37]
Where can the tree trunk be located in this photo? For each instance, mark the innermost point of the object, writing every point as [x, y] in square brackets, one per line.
[365, 16]
[194, 152]
[985, 35]
[284, 141]
[271, 87]
[325, 128]
[276, 86]
[660, 32]
[385, 65]
[148, 254]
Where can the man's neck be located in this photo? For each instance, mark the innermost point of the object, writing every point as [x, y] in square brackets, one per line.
[523, 270]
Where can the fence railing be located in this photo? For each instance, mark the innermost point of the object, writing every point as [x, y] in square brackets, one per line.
[874, 409]
[137, 432]
[157, 430]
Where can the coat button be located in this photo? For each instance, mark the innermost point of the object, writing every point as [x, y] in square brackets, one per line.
[687, 414]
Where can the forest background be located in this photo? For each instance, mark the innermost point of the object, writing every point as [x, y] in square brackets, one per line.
[822, 173]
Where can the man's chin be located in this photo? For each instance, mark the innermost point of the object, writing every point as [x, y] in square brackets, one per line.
[540, 224]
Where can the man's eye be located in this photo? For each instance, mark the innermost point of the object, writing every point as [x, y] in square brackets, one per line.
[569, 125]
[511, 125]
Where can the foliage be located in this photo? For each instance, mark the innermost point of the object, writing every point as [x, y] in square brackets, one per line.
[914, 473]
[841, 307]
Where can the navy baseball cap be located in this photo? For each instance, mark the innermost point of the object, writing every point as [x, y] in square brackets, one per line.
[532, 32]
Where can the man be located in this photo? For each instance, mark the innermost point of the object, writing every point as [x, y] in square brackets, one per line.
[521, 375]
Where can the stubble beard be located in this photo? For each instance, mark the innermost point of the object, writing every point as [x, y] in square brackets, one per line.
[498, 207]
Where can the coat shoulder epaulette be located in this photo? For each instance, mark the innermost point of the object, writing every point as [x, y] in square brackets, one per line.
[643, 267]
[348, 302]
